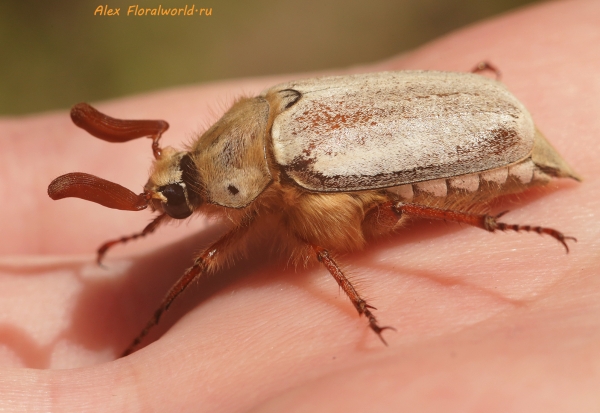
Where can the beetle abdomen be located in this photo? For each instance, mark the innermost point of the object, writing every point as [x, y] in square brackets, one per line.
[543, 164]
[477, 187]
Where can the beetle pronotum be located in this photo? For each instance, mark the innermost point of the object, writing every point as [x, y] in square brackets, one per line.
[338, 160]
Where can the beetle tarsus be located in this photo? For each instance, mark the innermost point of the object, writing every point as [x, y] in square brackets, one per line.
[151, 323]
[557, 235]
[205, 263]
[373, 323]
[491, 224]
[190, 275]
[359, 303]
[487, 222]
[149, 229]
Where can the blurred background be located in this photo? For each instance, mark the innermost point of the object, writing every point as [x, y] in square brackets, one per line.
[57, 53]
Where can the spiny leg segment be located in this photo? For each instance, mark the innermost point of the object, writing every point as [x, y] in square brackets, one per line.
[199, 267]
[487, 222]
[359, 303]
[203, 265]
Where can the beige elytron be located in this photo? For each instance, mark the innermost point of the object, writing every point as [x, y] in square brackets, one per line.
[386, 129]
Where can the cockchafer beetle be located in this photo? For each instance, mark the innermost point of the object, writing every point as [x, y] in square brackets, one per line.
[338, 160]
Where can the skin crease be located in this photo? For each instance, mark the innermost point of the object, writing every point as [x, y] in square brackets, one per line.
[485, 322]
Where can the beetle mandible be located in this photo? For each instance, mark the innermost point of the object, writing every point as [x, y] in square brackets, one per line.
[338, 160]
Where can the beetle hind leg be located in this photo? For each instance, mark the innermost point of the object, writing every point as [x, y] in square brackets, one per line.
[491, 224]
[359, 303]
[487, 222]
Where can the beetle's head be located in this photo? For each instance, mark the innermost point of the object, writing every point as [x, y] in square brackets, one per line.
[173, 188]
[174, 185]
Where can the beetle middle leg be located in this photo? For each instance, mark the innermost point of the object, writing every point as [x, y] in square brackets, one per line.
[208, 260]
[359, 303]
[487, 222]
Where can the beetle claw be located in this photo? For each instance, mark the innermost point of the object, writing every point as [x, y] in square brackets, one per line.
[378, 330]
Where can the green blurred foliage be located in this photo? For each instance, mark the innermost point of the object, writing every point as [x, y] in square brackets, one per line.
[57, 53]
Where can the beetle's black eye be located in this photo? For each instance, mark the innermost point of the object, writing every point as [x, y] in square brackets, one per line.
[176, 205]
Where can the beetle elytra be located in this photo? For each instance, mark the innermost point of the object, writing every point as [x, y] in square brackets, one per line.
[337, 161]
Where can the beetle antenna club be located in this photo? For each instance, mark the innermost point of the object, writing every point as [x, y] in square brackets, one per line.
[117, 130]
[337, 161]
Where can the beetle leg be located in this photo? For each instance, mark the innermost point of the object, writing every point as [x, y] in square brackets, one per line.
[359, 303]
[488, 222]
[146, 231]
[205, 263]
[483, 66]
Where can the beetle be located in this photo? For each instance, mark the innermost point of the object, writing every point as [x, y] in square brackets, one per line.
[338, 160]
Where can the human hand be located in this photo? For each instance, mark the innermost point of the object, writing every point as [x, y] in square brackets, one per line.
[486, 322]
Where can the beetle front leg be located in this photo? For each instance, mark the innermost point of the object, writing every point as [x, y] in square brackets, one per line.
[149, 229]
[487, 222]
[219, 252]
[359, 303]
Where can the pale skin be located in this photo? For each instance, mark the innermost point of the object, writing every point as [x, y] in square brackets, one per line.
[485, 322]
